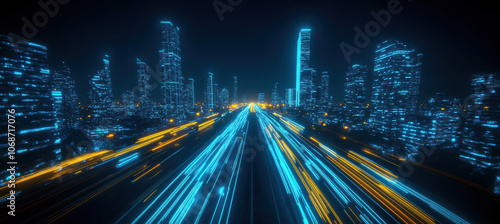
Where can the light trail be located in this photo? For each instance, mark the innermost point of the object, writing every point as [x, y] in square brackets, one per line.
[201, 181]
[345, 196]
[383, 186]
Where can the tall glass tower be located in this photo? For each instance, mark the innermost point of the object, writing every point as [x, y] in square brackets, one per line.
[170, 65]
[307, 88]
[262, 98]
[216, 95]
[355, 96]
[303, 55]
[101, 95]
[275, 97]
[395, 86]
[325, 88]
[100, 105]
[25, 87]
[144, 91]
[224, 97]
[68, 111]
[209, 92]
[290, 97]
[190, 93]
[235, 95]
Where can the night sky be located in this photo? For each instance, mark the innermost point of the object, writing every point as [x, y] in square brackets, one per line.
[257, 40]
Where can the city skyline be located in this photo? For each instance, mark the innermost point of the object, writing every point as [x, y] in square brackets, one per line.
[435, 77]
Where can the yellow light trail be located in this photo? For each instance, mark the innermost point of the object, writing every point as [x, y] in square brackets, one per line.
[396, 204]
[168, 131]
[131, 148]
[213, 115]
[400, 207]
[206, 124]
[319, 201]
[149, 196]
[373, 154]
[385, 173]
[146, 173]
[168, 142]
[61, 166]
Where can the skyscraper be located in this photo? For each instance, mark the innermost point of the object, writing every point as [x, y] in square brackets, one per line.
[290, 97]
[444, 112]
[190, 93]
[303, 55]
[209, 92]
[100, 97]
[217, 102]
[261, 99]
[224, 97]
[355, 96]
[100, 105]
[307, 88]
[25, 87]
[145, 100]
[68, 112]
[325, 88]
[170, 65]
[481, 135]
[275, 95]
[129, 104]
[395, 86]
[414, 133]
[235, 94]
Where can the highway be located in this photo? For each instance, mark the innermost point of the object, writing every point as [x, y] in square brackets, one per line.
[249, 165]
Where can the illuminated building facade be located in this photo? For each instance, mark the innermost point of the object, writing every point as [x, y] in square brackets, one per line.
[100, 104]
[217, 101]
[68, 114]
[275, 98]
[290, 97]
[224, 97]
[235, 94]
[395, 86]
[100, 97]
[355, 96]
[415, 131]
[481, 134]
[302, 63]
[209, 92]
[25, 87]
[144, 90]
[262, 98]
[170, 65]
[307, 88]
[444, 112]
[128, 102]
[190, 93]
[325, 88]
